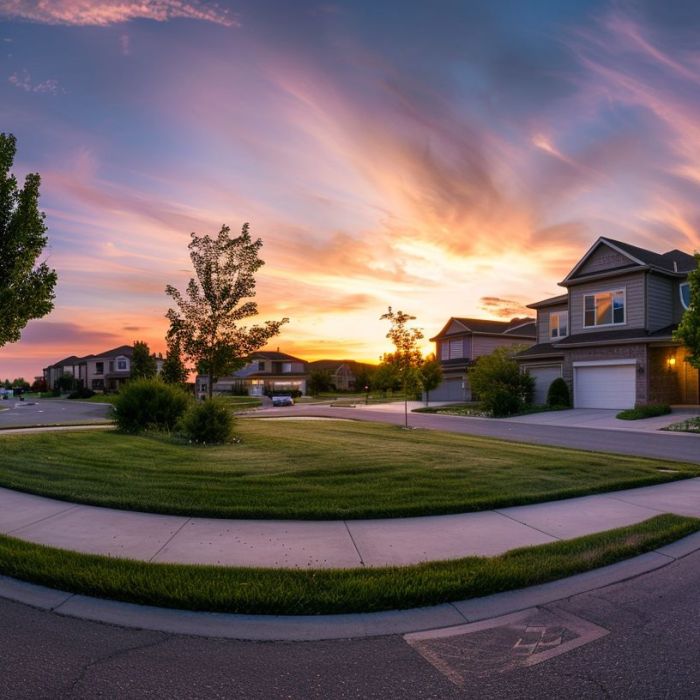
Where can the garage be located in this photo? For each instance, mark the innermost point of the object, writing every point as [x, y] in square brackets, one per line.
[451, 389]
[605, 385]
[543, 375]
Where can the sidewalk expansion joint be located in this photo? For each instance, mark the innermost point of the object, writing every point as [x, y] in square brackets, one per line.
[44, 519]
[169, 540]
[520, 522]
[354, 544]
[56, 608]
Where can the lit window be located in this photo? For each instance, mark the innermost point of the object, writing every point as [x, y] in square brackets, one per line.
[604, 309]
[559, 324]
[121, 363]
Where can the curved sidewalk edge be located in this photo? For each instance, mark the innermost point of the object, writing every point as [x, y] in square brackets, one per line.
[325, 627]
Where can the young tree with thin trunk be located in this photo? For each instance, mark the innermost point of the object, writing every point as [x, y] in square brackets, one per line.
[688, 331]
[26, 289]
[407, 357]
[207, 320]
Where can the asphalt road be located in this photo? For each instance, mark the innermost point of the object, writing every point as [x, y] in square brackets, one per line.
[50, 412]
[683, 447]
[650, 650]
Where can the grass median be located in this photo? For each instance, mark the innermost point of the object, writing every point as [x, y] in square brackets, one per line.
[319, 591]
[314, 470]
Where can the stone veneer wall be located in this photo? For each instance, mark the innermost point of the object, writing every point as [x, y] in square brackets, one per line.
[610, 352]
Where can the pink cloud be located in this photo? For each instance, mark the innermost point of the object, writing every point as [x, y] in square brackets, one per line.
[102, 13]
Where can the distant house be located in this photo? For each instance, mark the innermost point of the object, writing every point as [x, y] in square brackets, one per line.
[342, 372]
[106, 371]
[265, 372]
[462, 340]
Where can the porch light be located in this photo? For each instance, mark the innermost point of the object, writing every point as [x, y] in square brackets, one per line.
[671, 362]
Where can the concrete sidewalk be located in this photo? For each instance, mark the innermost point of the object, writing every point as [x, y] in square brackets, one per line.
[331, 544]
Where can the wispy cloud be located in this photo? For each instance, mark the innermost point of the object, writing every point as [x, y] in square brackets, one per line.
[102, 13]
[23, 81]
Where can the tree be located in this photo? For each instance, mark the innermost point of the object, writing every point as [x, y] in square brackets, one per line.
[500, 385]
[207, 321]
[320, 380]
[364, 377]
[688, 331]
[39, 385]
[20, 383]
[386, 376]
[174, 370]
[406, 357]
[430, 375]
[26, 289]
[143, 364]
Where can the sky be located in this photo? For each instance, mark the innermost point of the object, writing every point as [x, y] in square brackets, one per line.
[445, 158]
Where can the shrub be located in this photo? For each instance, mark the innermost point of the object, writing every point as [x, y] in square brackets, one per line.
[558, 394]
[499, 384]
[649, 411]
[81, 393]
[208, 422]
[149, 404]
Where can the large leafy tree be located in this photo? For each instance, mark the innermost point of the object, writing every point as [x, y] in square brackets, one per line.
[688, 331]
[430, 375]
[407, 357]
[143, 364]
[26, 289]
[208, 319]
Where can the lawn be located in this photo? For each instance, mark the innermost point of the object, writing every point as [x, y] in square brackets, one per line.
[314, 470]
[299, 592]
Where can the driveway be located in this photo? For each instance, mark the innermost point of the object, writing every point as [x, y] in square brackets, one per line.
[603, 419]
[51, 412]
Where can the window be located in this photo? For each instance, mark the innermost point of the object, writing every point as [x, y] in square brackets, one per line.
[286, 368]
[604, 309]
[685, 294]
[456, 349]
[121, 364]
[559, 324]
[111, 365]
[444, 350]
[261, 366]
[99, 368]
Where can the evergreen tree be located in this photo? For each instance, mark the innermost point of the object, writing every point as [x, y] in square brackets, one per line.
[174, 370]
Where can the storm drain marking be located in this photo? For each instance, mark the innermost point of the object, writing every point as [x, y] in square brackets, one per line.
[503, 644]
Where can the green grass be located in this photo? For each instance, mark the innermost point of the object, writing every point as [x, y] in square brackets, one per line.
[241, 402]
[314, 470]
[640, 412]
[319, 591]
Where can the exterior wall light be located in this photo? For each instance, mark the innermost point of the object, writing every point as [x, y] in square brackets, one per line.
[671, 362]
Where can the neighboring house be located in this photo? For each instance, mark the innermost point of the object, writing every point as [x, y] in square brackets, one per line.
[106, 371]
[264, 373]
[342, 372]
[463, 340]
[610, 335]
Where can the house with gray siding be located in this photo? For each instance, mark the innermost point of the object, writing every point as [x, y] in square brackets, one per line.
[462, 340]
[610, 336]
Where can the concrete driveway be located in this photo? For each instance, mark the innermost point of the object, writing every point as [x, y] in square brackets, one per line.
[603, 419]
[51, 412]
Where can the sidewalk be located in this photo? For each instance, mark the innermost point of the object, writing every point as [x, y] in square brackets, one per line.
[331, 544]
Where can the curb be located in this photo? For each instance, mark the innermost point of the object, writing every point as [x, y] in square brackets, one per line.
[328, 627]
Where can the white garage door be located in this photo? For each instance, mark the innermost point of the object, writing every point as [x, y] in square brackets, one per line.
[605, 386]
[543, 377]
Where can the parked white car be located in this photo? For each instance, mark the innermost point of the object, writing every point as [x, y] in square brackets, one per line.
[282, 401]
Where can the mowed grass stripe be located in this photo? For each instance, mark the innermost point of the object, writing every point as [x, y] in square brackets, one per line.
[315, 470]
[304, 592]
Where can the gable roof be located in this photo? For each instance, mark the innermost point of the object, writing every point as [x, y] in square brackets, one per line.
[551, 301]
[516, 326]
[673, 262]
[334, 365]
[273, 355]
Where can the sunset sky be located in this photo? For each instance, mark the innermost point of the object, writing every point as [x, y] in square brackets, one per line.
[445, 158]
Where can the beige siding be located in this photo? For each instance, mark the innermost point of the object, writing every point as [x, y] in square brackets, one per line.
[603, 258]
[486, 344]
[543, 321]
[635, 311]
[660, 301]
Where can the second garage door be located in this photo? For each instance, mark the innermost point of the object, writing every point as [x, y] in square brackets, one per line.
[605, 386]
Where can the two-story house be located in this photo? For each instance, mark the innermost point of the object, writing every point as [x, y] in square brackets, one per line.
[264, 373]
[343, 373]
[610, 335]
[106, 371]
[462, 340]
